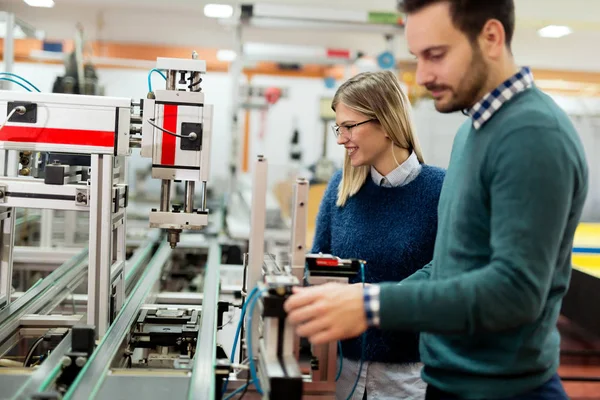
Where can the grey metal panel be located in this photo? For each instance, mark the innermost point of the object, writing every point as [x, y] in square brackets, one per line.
[127, 387]
[202, 384]
[10, 384]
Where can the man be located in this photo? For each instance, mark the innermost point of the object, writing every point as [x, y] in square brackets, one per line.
[488, 303]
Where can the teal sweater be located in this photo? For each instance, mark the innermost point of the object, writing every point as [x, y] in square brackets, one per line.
[488, 303]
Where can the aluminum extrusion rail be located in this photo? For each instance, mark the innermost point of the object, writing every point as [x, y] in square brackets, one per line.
[91, 378]
[40, 294]
[202, 384]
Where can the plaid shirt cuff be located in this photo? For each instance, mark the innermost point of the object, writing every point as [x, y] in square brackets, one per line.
[371, 300]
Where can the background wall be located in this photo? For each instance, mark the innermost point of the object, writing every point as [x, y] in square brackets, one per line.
[271, 133]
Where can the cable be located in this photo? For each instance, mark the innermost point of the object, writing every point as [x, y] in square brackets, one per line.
[236, 391]
[363, 339]
[21, 78]
[230, 320]
[341, 363]
[32, 350]
[237, 332]
[10, 114]
[13, 81]
[192, 136]
[150, 77]
[247, 386]
[249, 342]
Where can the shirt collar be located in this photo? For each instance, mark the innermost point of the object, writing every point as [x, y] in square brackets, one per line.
[485, 108]
[399, 175]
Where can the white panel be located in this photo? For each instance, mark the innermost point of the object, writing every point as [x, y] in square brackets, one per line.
[206, 142]
[123, 131]
[65, 99]
[147, 129]
[169, 220]
[174, 96]
[67, 116]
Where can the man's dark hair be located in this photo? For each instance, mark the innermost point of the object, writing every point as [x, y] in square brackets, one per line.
[471, 15]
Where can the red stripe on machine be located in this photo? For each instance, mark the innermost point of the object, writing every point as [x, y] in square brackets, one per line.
[326, 263]
[338, 53]
[169, 141]
[78, 137]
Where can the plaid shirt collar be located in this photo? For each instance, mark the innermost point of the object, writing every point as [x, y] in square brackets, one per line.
[485, 108]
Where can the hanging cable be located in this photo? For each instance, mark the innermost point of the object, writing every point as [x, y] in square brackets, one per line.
[19, 109]
[192, 136]
[21, 78]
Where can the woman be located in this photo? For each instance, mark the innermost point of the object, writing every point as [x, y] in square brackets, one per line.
[381, 208]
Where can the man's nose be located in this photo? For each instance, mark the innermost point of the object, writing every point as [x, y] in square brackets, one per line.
[423, 75]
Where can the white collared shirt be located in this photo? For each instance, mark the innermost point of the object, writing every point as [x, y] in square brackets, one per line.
[401, 175]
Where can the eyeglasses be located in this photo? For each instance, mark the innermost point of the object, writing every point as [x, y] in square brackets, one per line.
[347, 129]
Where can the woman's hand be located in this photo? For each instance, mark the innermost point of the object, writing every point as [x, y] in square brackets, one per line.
[329, 312]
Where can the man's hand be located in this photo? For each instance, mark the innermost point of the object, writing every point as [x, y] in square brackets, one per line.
[328, 312]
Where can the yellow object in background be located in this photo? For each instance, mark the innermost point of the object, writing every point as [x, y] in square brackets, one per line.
[587, 236]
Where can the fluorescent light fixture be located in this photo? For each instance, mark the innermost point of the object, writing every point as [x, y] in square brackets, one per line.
[554, 31]
[40, 3]
[226, 55]
[218, 10]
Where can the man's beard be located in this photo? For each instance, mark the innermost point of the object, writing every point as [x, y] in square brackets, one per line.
[469, 89]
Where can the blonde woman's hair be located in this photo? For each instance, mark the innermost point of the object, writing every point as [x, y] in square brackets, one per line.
[377, 95]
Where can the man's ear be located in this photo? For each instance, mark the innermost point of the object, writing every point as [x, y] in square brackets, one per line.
[492, 39]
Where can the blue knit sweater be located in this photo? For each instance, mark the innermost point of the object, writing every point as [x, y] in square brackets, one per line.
[393, 230]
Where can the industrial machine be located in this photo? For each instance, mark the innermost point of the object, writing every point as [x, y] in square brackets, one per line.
[132, 334]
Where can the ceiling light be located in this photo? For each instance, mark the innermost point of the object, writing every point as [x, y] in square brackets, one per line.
[226, 55]
[554, 31]
[40, 3]
[218, 10]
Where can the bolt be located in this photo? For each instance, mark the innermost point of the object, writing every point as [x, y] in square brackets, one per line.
[300, 247]
[24, 171]
[81, 198]
[66, 361]
[80, 361]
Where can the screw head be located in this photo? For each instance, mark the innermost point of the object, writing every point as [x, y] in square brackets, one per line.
[66, 361]
[80, 361]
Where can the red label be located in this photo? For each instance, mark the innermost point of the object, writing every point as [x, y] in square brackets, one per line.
[169, 141]
[327, 263]
[78, 137]
[338, 53]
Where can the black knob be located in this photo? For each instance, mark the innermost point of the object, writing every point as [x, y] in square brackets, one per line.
[176, 208]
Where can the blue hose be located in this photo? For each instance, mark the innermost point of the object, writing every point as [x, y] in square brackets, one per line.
[21, 78]
[150, 77]
[16, 82]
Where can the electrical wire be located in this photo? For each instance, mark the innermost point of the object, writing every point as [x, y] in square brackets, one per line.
[16, 82]
[150, 77]
[363, 340]
[32, 350]
[192, 136]
[246, 386]
[238, 390]
[237, 332]
[249, 341]
[341, 363]
[21, 78]
[10, 114]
